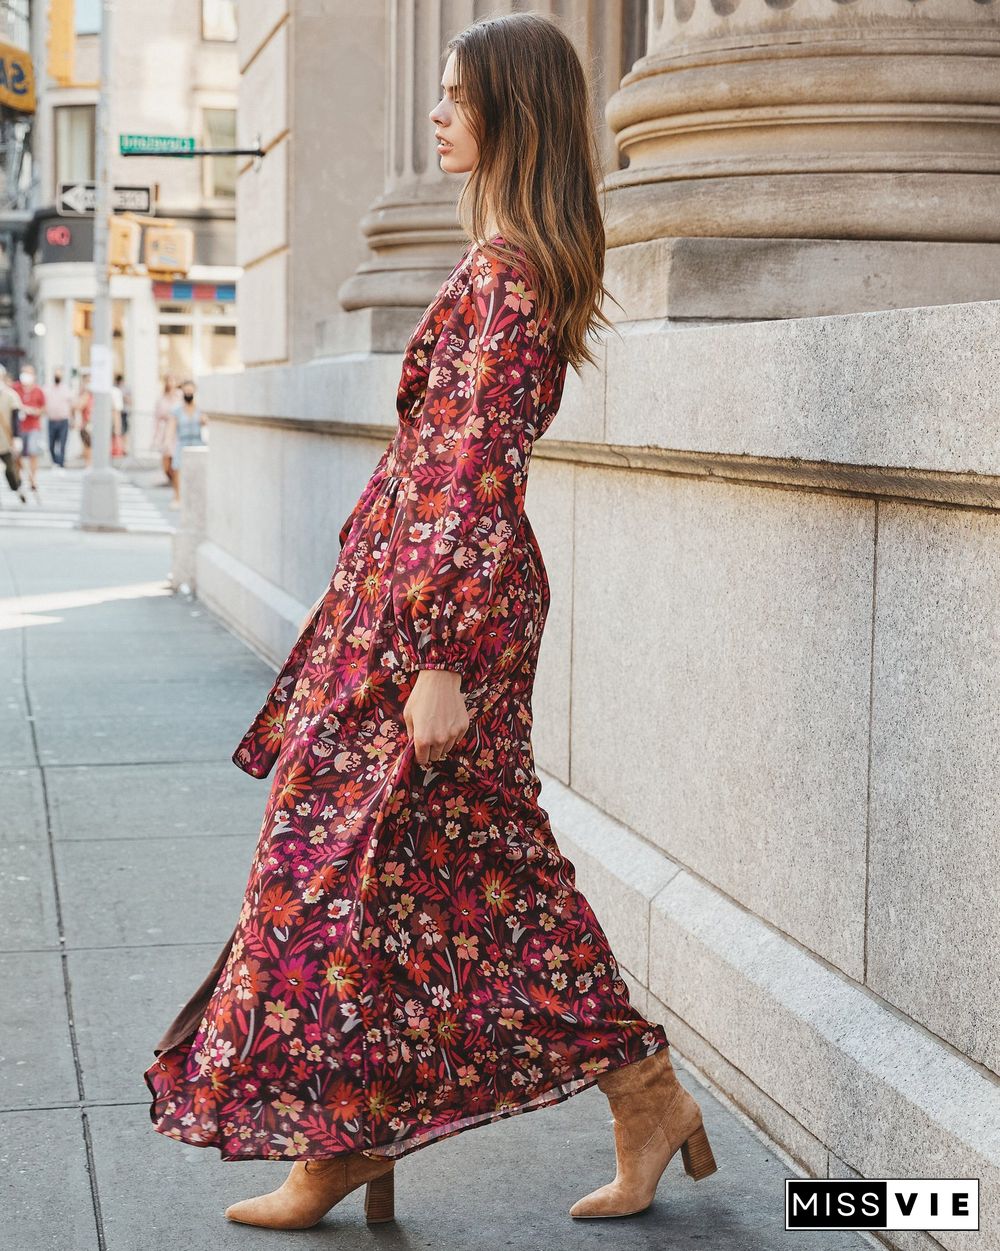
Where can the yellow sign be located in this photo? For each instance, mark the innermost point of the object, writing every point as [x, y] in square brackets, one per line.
[17, 79]
[61, 39]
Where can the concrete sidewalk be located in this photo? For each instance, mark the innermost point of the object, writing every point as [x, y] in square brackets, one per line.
[126, 841]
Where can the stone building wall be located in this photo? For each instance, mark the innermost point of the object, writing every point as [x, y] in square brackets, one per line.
[766, 709]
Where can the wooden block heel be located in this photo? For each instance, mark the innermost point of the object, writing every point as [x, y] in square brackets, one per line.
[379, 1198]
[697, 1155]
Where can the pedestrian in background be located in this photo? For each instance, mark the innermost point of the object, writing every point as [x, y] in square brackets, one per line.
[126, 412]
[59, 407]
[83, 409]
[117, 418]
[9, 403]
[169, 399]
[124, 401]
[187, 422]
[32, 399]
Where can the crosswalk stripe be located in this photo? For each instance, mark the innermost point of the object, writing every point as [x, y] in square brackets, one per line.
[57, 505]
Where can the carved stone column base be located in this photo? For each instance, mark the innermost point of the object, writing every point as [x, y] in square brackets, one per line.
[371, 329]
[412, 229]
[711, 279]
[948, 207]
[414, 244]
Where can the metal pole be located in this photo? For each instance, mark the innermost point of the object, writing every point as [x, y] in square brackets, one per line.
[99, 501]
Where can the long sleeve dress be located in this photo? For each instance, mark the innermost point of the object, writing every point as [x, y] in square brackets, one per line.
[412, 957]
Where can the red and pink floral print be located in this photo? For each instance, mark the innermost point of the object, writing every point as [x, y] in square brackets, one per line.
[412, 957]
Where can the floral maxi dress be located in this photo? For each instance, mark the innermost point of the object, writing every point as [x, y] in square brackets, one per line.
[412, 957]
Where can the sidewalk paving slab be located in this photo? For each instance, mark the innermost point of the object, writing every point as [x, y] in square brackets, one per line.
[27, 897]
[202, 797]
[38, 1068]
[44, 1157]
[146, 891]
[24, 804]
[170, 736]
[238, 696]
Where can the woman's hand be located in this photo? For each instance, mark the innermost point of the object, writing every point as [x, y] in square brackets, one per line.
[435, 714]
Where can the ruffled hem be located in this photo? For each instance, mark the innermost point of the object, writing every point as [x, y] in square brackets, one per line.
[395, 1149]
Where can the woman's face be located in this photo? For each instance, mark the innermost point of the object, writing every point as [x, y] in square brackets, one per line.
[457, 149]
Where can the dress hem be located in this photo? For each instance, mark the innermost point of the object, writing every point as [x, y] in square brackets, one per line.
[557, 1093]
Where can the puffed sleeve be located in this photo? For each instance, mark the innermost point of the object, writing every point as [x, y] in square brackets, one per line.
[469, 468]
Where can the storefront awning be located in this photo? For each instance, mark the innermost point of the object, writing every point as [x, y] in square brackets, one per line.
[17, 79]
[217, 292]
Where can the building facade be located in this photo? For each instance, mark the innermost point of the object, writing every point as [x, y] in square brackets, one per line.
[17, 112]
[790, 832]
[175, 72]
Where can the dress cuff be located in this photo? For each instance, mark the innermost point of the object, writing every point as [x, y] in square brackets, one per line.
[437, 655]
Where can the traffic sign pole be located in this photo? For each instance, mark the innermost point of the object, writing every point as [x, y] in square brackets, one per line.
[99, 500]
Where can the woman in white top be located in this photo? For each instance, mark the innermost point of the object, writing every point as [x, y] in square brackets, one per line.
[162, 420]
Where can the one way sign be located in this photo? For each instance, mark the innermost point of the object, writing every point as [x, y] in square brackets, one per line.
[81, 198]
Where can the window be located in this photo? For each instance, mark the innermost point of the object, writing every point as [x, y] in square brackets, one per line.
[219, 348]
[175, 354]
[87, 15]
[74, 125]
[218, 20]
[220, 171]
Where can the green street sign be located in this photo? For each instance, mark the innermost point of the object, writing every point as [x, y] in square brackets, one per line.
[155, 145]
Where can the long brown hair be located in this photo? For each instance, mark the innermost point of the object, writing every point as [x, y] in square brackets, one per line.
[527, 101]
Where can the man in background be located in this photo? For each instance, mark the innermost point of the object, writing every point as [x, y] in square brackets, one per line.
[59, 407]
[9, 404]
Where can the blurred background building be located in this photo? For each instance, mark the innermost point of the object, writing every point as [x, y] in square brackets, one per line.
[17, 114]
[175, 74]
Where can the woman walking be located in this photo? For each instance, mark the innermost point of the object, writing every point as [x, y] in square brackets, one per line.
[162, 425]
[413, 958]
[83, 411]
[184, 429]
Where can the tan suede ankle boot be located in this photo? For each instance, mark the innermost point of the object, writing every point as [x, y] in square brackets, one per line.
[313, 1187]
[653, 1116]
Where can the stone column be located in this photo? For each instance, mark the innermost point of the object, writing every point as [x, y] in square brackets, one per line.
[873, 123]
[412, 228]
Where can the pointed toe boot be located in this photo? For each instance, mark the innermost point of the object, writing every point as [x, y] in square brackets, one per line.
[313, 1187]
[653, 1116]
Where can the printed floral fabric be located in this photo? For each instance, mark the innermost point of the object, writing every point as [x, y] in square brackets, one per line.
[412, 957]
